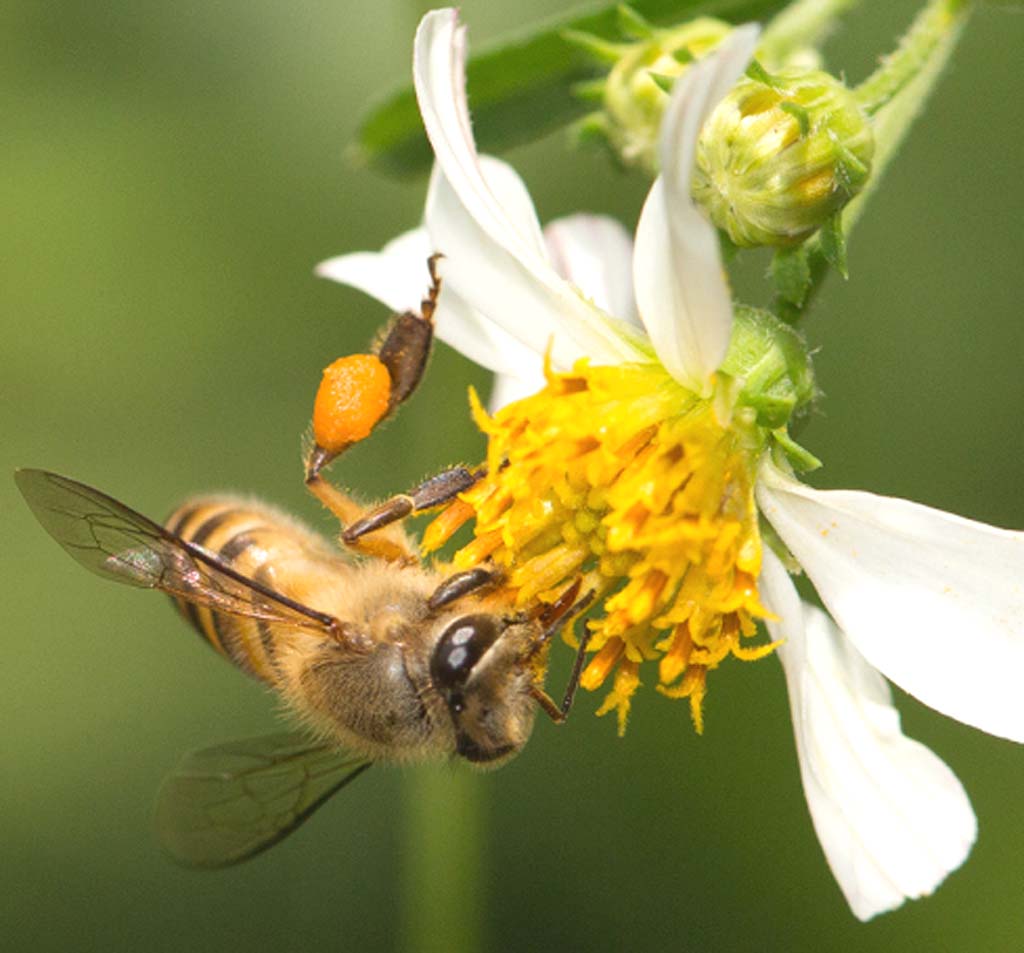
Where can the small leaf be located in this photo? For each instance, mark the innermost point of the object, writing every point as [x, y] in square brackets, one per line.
[598, 49]
[833, 244]
[521, 89]
[791, 273]
[683, 56]
[799, 114]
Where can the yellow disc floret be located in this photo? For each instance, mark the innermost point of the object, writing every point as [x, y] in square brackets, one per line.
[621, 475]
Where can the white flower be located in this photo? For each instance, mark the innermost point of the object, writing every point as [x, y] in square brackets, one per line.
[931, 601]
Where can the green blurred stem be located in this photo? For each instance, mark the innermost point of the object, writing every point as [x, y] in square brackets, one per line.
[927, 36]
[933, 37]
[804, 23]
[443, 890]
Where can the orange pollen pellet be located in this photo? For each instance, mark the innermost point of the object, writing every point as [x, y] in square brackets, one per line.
[352, 398]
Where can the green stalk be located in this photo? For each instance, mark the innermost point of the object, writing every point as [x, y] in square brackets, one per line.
[898, 91]
[944, 21]
[926, 38]
[805, 23]
[443, 890]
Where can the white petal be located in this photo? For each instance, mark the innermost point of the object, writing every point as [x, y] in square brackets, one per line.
[440, 80]
[595, 253]
[935, 602]
[892, 818]
[397, 275]
[482, 341]
[476, 218]
[681, 288]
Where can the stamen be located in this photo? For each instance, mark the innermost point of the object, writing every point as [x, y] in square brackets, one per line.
[447, 524]
[602, 664]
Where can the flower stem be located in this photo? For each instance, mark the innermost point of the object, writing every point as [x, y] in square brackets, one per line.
[443, 896]
[893, 121]
[927, 36]
[899, 89]
[804, 23]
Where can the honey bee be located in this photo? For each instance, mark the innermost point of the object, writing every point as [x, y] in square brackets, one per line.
[380, 659]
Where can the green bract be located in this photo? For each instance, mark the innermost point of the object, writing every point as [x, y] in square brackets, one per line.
[770, 363]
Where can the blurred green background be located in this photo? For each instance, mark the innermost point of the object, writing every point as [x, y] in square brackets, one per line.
[171, 173]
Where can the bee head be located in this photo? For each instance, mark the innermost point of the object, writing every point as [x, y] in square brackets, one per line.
[478, 667]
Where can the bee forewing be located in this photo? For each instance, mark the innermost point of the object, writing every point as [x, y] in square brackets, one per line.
[226, 804]
[114, 541]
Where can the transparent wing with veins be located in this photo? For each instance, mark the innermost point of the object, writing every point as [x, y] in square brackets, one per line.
[111, 540]
[226, 804]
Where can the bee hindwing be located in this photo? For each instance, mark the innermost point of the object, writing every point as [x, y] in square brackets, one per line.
[226, 804]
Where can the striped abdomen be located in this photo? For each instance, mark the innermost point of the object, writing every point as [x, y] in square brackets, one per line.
[268, 547]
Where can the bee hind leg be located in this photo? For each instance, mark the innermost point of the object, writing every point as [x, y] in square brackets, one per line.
[361, 390]
[393, 544]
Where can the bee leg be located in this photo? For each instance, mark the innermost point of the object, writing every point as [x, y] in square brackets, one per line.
[431, 493]
[392, 545]
[361, 390]
[559, 714]
[462, 583]
[405, 347]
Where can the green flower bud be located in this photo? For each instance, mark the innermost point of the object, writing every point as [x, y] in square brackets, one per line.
[635, 90]
[777, 159]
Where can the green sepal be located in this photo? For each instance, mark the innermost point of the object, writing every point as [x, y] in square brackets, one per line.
[589, 90]
[663, 82]
[591, 129]
[850, 171]
[833, 244]
[728, 248]
[799, 114]
[520, 89]
[597, 48]
[632, 24]
[684, 57]
[771, 361]
[771, 539]
[759, 74]
[800, 458]
[791, 273]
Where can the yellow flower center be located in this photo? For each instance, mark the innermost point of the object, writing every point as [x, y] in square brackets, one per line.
[621, 475]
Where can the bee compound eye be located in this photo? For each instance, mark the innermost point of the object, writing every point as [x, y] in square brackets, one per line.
[458, 650]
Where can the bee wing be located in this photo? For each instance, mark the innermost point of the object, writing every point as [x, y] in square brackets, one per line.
[226, 804]
[111, 540]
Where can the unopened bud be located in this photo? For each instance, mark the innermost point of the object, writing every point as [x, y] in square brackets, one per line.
[779, 156]
[636, 88]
